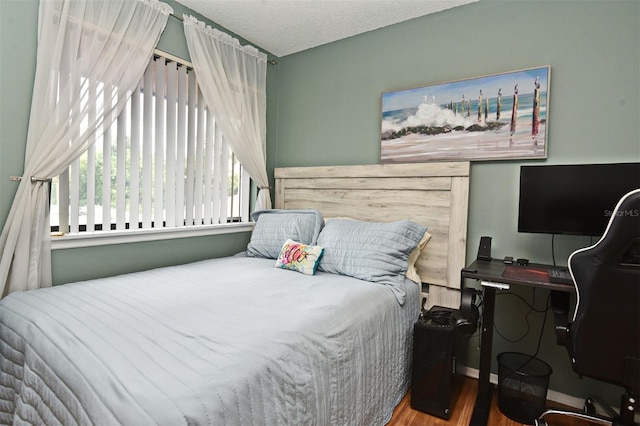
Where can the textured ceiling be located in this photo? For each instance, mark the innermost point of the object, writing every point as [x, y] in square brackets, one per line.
[283, 27]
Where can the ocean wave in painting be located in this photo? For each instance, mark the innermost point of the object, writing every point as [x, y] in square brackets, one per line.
[433, 119]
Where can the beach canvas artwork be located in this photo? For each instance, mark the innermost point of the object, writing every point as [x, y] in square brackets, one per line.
[501, 116]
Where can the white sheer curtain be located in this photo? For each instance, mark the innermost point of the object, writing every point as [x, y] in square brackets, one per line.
[87, 50]
[233, 81]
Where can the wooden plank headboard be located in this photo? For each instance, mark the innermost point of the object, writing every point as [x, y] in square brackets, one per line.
[433, 194]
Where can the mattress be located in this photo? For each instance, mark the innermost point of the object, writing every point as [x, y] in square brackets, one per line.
[231, 341]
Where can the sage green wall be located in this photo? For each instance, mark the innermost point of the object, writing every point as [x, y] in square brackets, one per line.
[329, 114]
[18, 41]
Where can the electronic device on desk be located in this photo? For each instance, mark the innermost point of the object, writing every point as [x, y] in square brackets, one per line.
[484, 249]
[433, 362]
[560, 275]
[575, 199]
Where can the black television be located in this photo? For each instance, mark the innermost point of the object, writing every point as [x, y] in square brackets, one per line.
[576, 199]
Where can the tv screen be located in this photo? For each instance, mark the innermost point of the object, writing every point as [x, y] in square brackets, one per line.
[573, 199]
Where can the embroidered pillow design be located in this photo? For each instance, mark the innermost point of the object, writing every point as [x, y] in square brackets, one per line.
[299, 257]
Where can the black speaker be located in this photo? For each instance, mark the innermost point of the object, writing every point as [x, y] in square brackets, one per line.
[484, 250]
[433, 362]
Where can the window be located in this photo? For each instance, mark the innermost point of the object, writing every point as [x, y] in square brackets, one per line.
[163, 163]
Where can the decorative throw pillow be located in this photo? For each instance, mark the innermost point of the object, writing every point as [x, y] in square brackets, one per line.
[299, 257]
[274, 227]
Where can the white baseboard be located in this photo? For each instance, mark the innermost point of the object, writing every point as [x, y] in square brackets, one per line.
[559, 397]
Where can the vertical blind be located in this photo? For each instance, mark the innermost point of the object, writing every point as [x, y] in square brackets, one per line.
[162, 163]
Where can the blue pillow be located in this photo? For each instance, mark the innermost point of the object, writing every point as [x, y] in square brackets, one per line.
[372, 251]
[274, 227]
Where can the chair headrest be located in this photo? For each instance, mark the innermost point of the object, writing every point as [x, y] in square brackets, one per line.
[623, 230]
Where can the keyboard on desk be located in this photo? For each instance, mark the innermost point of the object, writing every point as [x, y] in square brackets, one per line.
[560, 276]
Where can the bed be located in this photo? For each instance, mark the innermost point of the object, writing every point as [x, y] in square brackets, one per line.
[237, 341]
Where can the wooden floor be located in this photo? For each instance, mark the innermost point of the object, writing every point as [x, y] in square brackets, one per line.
[465, 390]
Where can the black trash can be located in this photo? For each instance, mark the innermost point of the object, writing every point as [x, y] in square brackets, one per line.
[523, 381]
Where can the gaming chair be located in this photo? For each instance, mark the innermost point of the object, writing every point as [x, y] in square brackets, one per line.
[603, 339]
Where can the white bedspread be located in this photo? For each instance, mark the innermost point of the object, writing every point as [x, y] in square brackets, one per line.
[230, 341]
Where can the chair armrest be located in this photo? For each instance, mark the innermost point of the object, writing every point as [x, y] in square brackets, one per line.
[560, 306]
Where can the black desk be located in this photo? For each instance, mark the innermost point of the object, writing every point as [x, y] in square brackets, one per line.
[494, 275]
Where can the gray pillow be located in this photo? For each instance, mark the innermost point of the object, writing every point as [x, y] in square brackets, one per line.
[274, 227]
[372, 251]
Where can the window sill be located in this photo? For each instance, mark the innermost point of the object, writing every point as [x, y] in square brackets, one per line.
[91, 239]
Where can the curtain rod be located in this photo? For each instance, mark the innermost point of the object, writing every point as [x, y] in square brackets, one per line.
[32, 179]
[270, 61]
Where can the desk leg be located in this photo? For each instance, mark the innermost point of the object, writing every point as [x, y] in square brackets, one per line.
[485, 388]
